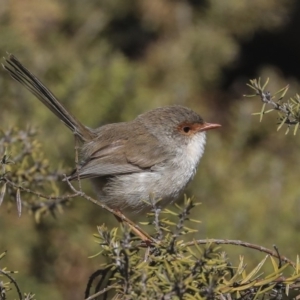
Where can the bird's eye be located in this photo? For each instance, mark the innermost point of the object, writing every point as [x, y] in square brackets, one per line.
[186, 129]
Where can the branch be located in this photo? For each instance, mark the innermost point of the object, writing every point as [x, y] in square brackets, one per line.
[133, 226]
[13, 281]
[289, 110]
[243, 244]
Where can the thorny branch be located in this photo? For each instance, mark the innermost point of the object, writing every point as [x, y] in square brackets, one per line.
[6, 274]
[289, 110]
[243, 244]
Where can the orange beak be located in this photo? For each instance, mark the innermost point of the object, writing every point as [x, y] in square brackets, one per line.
[209, 126]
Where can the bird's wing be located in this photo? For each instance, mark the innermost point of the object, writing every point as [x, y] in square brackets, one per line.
[122, 157]
[146, 151]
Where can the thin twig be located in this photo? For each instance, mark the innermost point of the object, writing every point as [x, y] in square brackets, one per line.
[240, 243]
[56, 199]
[118, 214]
[101, 292]
[13, 281]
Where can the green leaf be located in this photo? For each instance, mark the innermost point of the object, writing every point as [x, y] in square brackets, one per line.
[287, 130]
[283, 90]
[2, 193]
[267, 111]
[254, 271]
[262, 112]
[266, 83]
[281, 124]
[296, 128]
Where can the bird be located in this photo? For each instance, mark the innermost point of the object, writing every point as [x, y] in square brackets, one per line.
[130, 164]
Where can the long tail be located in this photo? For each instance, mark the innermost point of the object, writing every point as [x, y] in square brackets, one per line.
[21, 74]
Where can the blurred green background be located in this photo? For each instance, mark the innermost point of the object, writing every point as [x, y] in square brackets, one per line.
[109, 61]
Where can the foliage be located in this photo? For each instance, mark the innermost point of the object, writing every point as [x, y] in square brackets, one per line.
[6, 286]
[288, 111]
[172, 269]
[25, 171]
[167, 268]
[109, 61]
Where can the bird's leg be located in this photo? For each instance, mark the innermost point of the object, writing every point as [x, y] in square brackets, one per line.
[144, 236]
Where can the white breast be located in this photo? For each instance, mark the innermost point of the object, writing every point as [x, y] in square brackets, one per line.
[195, 149]
[183, 167]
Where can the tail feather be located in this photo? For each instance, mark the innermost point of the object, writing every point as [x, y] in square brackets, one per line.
[21, 74]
